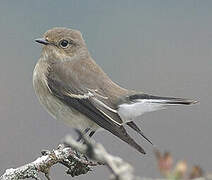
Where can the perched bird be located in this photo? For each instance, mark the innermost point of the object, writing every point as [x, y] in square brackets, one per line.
[74, 89]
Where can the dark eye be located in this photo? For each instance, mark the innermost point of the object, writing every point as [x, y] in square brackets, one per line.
[64, 43]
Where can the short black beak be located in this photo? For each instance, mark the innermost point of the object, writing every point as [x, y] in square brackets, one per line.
[42, 41]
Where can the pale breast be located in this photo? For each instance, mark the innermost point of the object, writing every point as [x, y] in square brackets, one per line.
[53, 105]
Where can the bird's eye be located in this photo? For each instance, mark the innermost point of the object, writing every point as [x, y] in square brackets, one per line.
[64, 43]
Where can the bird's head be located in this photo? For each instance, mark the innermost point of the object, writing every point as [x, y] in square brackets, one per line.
[63, 43]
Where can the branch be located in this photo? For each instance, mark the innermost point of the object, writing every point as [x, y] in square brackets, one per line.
[120, 170]
[64, 155]
[76, 163]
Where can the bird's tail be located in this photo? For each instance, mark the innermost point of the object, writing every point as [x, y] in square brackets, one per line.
[138, 104]
[173, 101]
[162, 100]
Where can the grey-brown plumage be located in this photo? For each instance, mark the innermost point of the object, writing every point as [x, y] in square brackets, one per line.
[73, 88]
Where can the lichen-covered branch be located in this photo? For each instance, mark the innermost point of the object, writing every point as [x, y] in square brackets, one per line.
[77, 157]
[77, 164]
[120, 170]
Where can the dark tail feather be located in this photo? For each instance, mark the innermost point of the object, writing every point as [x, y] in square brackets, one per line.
[177, 101]
[132, 125]
[162, 100]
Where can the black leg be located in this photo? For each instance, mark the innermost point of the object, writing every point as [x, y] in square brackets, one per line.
[84, 132]
[91, 133]
[81, 141]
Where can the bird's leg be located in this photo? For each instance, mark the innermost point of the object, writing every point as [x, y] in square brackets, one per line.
[79, 139]
[91, 133]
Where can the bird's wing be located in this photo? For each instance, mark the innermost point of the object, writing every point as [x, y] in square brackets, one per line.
[87, 103]
[132, 125]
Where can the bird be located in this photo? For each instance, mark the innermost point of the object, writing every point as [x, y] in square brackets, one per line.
[73, 88]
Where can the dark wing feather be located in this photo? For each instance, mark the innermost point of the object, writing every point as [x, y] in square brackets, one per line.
[132, 125]
[88, 107]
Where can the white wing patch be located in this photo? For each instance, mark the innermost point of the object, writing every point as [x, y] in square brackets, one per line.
[87, 96]
[129, 112]
[108, 108]
[105, 106]
[109, 117]
[79, 96]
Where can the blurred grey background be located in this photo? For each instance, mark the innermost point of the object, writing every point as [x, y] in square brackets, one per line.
[159, 47]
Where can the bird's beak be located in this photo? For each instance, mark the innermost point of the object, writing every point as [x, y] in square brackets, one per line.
[42, 41]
